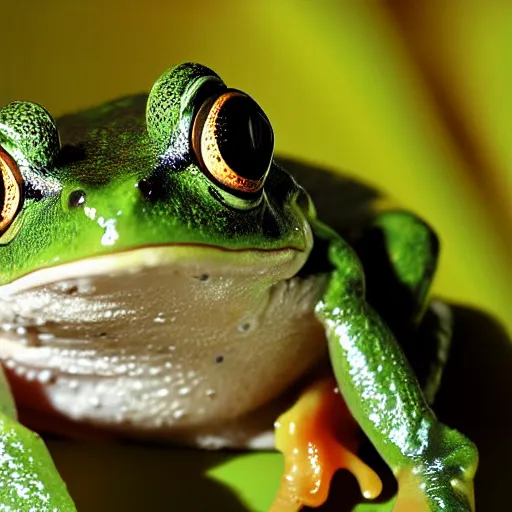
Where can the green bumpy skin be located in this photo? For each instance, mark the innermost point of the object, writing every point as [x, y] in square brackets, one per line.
[29, 481]
[109, 154]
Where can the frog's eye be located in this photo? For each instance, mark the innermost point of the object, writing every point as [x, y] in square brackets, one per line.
[233, 141]
[11, 197]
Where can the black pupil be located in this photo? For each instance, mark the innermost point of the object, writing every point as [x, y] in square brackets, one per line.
[245, 137]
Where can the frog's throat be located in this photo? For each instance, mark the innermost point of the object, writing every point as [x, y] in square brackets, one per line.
[271, 265]
[171, 341]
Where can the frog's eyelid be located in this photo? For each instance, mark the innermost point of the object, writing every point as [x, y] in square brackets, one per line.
[170, 98]
[189, 99]
[29, 133]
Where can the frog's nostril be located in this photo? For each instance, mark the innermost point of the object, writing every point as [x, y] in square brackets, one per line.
[76, 198]
[146, 188]
[153, 187]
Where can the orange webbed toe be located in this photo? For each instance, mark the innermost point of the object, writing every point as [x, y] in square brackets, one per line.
[318, 436]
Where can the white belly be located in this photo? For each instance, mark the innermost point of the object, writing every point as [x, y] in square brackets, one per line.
[166, 347]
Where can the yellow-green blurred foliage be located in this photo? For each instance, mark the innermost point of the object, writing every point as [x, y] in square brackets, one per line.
[413, 97]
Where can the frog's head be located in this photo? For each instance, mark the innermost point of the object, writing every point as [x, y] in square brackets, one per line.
[116, 190]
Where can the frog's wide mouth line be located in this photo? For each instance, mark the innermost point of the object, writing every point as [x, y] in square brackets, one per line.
[274, 264]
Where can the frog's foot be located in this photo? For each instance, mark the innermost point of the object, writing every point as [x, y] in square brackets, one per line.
[440, 483]
[318, 436]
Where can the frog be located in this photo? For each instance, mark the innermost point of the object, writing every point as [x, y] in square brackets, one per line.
[164, 278]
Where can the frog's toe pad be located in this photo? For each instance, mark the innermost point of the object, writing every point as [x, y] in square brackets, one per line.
[444, 481]
[418, 492]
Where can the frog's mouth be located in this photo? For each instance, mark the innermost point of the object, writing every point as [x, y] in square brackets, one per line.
[201, 261]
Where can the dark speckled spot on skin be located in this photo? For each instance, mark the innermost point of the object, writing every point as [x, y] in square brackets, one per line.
[219, 359]
[244, 327]
[76, 198]
[204, 277]
[32, 192]
[355, 288]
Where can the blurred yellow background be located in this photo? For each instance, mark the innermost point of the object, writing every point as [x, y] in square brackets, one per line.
[412, 97]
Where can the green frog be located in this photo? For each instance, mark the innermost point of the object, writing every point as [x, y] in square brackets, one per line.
[162, 277]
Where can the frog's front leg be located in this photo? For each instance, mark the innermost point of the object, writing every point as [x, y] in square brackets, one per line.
[434, 465]
[28, 478]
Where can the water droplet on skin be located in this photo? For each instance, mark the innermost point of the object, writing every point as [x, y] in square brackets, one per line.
[45, 376]
[162, 392]
[21, 331]
[210, 393]
[31, 375]
[178, 413]
[46, 336]
[95, 401]
[137, 372]
[73, 384]
[119, 417]
[184, 391]
[155, 370]
[159, 319]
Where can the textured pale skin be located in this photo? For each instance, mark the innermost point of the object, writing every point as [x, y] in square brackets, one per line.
[122, 183]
